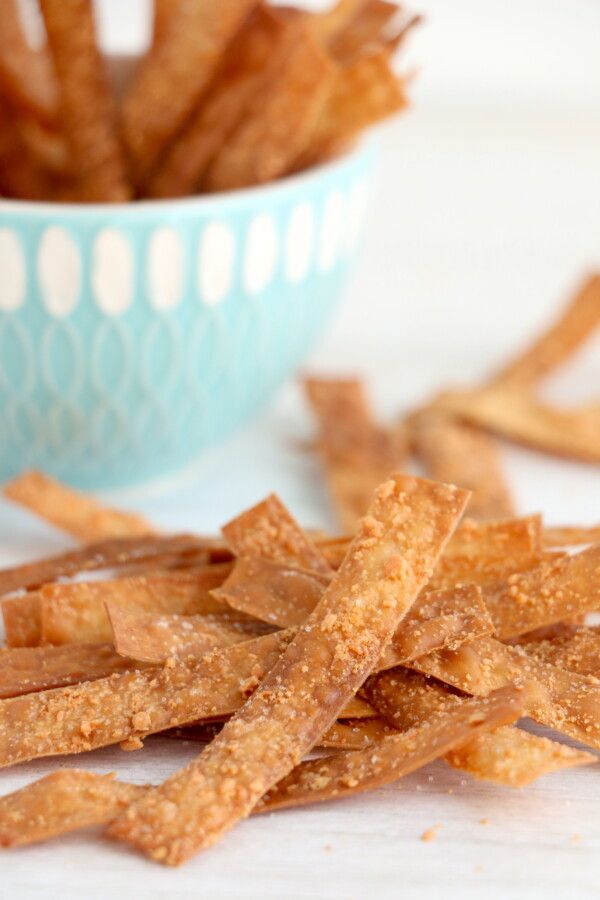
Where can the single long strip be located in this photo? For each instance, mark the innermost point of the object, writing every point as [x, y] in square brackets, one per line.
[568, 702]
[76, 613]
[23, 620]
[87, 114]
[460, 454]
[162, 18]
[281, 118]
[284, 596]
[409, 523]
[367, 28]
[238, 79]
[76, 513]
[576, 652]
[27, 78]
[520, 417]
[29, 669]
[269, 531]
[546, 594]
[357, 454]
[329, 24]
[507, 756]
[558, 343]
[175, 74]
[134, 704]
[157, 638]
[110, 554]
[73, 799]
[20, 175]
[564, 536]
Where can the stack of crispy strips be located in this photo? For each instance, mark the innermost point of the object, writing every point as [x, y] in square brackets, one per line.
[425, 635]
[231, 93]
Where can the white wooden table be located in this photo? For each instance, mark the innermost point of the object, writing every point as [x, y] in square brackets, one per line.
[481, 224]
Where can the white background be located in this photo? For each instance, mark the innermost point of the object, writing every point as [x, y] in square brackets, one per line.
[487, 212]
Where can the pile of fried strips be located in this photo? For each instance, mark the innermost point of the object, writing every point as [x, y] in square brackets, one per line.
[423, 635]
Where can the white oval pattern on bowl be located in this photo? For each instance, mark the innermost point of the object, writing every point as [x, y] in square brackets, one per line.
[112, 272]
[260, 256]
[13, 278]
[331, 230]
[59, 271]
[216, 256]
[165, 269]
[299, 242]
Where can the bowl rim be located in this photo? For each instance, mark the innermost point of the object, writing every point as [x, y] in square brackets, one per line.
[362, 148]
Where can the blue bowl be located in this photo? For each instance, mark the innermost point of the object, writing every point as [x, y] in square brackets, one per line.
[133, 336]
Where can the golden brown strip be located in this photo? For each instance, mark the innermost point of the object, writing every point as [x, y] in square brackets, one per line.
[238, 79]
[157, 638]
[47, 146]
[354, 734]
[109, 554]
[388, 563]
[507, 756]
[498, 540]
[131, 705]
[27, 78]
[546, 594]
[568, 702]
[71, 511]
[357, 454]
[284, 596]
[23, 620]
[28, 669]
[75, 612]
[558, 343]
[570, 535]
[163, 14]
[280, 120]
[366, 29]
[394, 756]
[578, 651]
[573, 433]
[72, 799]
[20, 174]
[269, 531]
[62, 802]
[175, 74]
[327, 25]
[460, 454]
[87, 113]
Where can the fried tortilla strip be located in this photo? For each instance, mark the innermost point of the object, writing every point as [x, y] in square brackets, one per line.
[133, 704]
[507, 756]
[409, 523]
[46, 146]
[280, 119]
[357, 454]
[329, 24]
[578, 651]
[283, 596]
[498, 540]
[558, 344]
[363, 93]
[354, 734]
[392, 757]
[114, 553]
[157, 638]
[28, 669]
[520, 417]
[61, 802]
[240, 76]
[547, 594]
[74, 798]
[460, 454]
[75, 613]
[269, 531]
[162, 17]
[175, 74]
[570, 535]
[20, 175]
[27, 78]
[565, 701]
[489, 574]
[87, 113]
[366, 29]
[23, 620]
[71, 511]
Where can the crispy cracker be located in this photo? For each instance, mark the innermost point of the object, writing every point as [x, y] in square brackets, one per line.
[357, 453]
[87, 113]
[71, 511]
[75, 612]
[391, 558]
[461, 454]
[174, 75]
[559, 342]
[268, 530]
[520, 417]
